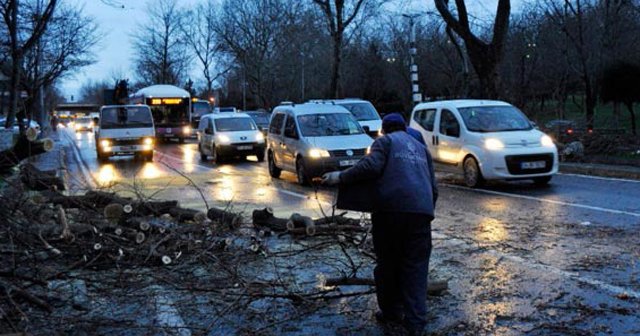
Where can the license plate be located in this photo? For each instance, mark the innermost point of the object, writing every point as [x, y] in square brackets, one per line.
[245, 147]
[127, 148]
[345, 163]
[167, 130]
[533, 165]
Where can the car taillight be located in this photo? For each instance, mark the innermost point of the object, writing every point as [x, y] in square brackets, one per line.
[570, 131]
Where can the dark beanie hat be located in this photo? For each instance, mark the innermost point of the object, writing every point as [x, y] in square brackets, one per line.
[393, 122]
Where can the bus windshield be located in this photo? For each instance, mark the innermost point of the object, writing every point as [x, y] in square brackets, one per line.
[126, 117]
[201, 108]
[168, 111]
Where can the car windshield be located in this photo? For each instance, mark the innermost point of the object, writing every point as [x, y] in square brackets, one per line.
[234, 124]
[83, 121]
[260, 118]
[363, 111]
[201, 108]
[328, 124]
[494, 119]
[126, 117]
[227, 109]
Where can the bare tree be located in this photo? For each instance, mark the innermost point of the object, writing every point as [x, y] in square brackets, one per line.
[484, 56]
[64, 47]
[161, 56]
[20, 43]
[339, 15]
[199, 33]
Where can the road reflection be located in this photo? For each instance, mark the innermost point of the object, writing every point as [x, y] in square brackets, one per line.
[492, 230]
[107, 175]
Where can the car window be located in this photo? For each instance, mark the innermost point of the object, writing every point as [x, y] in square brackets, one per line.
[290, 129]
[425, 118]
[123, 117]
[449, 124]
[203, 123]
[276, 123]
[494, 119]
[235, 124]
[363, 111]
[328, 124]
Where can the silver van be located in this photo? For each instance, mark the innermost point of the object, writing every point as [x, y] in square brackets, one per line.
[312, 139]
[227, 135]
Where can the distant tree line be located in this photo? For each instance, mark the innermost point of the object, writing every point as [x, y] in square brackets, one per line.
[545, 57]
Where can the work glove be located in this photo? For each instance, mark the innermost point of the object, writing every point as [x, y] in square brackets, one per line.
[331, 178]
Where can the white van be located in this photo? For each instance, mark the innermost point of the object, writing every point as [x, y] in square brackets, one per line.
[311, 139]
[485, 140]
[125, 130]
[226, 135]
[362, 110]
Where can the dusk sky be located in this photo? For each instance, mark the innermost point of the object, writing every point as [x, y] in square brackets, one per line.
[114, 53]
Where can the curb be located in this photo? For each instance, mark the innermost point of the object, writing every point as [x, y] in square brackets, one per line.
[621, 172]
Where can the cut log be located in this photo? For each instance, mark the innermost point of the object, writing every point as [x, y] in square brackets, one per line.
[62, 219]
[298, 221]
[181, 214]
[434, 287]
[337, 220]
[264, 218]
[22, 149]
[328, 229]
[147, 208]
[37, 179]
[232, 220]
[101, 199]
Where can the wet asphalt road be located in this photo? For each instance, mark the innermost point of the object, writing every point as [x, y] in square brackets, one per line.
[557, 253]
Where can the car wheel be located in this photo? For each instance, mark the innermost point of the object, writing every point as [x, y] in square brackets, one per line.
[148, 157]
[301, 173]
[203, 156]
[542, 180]
[215, 156]
[472, 174]
[101, 157]
[260, 156]
[274, 171]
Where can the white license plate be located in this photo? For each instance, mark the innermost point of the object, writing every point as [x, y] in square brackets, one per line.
[533, 165]
[127, 148]
[345, 163]
[245, 147]
[167, 130]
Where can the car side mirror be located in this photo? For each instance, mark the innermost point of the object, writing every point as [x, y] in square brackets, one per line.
[366, 129]
[291, 133]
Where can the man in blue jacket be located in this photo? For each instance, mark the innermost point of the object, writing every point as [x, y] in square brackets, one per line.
[402, 171]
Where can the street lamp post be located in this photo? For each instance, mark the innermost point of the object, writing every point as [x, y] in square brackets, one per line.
[413, 68]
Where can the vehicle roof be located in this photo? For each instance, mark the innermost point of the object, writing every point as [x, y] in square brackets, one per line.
[118, 106]
[162, 90]
[338, 101]
[226, 115]
[311, 108]
[461, 103]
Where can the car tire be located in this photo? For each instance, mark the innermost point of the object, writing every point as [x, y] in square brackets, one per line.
[215, 156]
[274, 171]
[301, 173]
[149, 157]
[472, 174]
[260, 156]
[542, 180]
[203, 156]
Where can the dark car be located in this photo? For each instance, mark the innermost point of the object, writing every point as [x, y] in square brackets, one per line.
[261, 119]
[564, 130]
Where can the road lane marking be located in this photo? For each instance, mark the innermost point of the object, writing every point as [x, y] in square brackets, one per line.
[554, 270]
[531, 198]
[617, 179]
[84, 168]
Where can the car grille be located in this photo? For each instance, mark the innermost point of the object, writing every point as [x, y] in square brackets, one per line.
[514, 163]
[343, 152]
[127, 142]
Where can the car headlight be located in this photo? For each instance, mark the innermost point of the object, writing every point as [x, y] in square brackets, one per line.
[105, 143]
[223, 139]
[368, 150]
[260, 137]
[546, 141]
[147, 141]
[186, 129]
[318, 153]
[493, 144]
[78, 127]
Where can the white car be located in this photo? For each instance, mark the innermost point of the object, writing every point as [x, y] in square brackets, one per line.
[311, 139]
[125, 130]
[485, 140]
[226, 135]
[363, 111]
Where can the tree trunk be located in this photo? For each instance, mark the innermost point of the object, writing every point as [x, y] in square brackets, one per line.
[334, 89]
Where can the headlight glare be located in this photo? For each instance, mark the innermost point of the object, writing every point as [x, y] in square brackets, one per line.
[318, 153]
[148, 141]
[259, 137]
[105, 143]
[493, 144]
[186, 129]
[223, 139]
[546, 141]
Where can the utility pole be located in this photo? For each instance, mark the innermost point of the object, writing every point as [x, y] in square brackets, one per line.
[413, 68]
[302, 79]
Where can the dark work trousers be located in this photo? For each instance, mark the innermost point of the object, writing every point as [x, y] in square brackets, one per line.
[402, 244]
